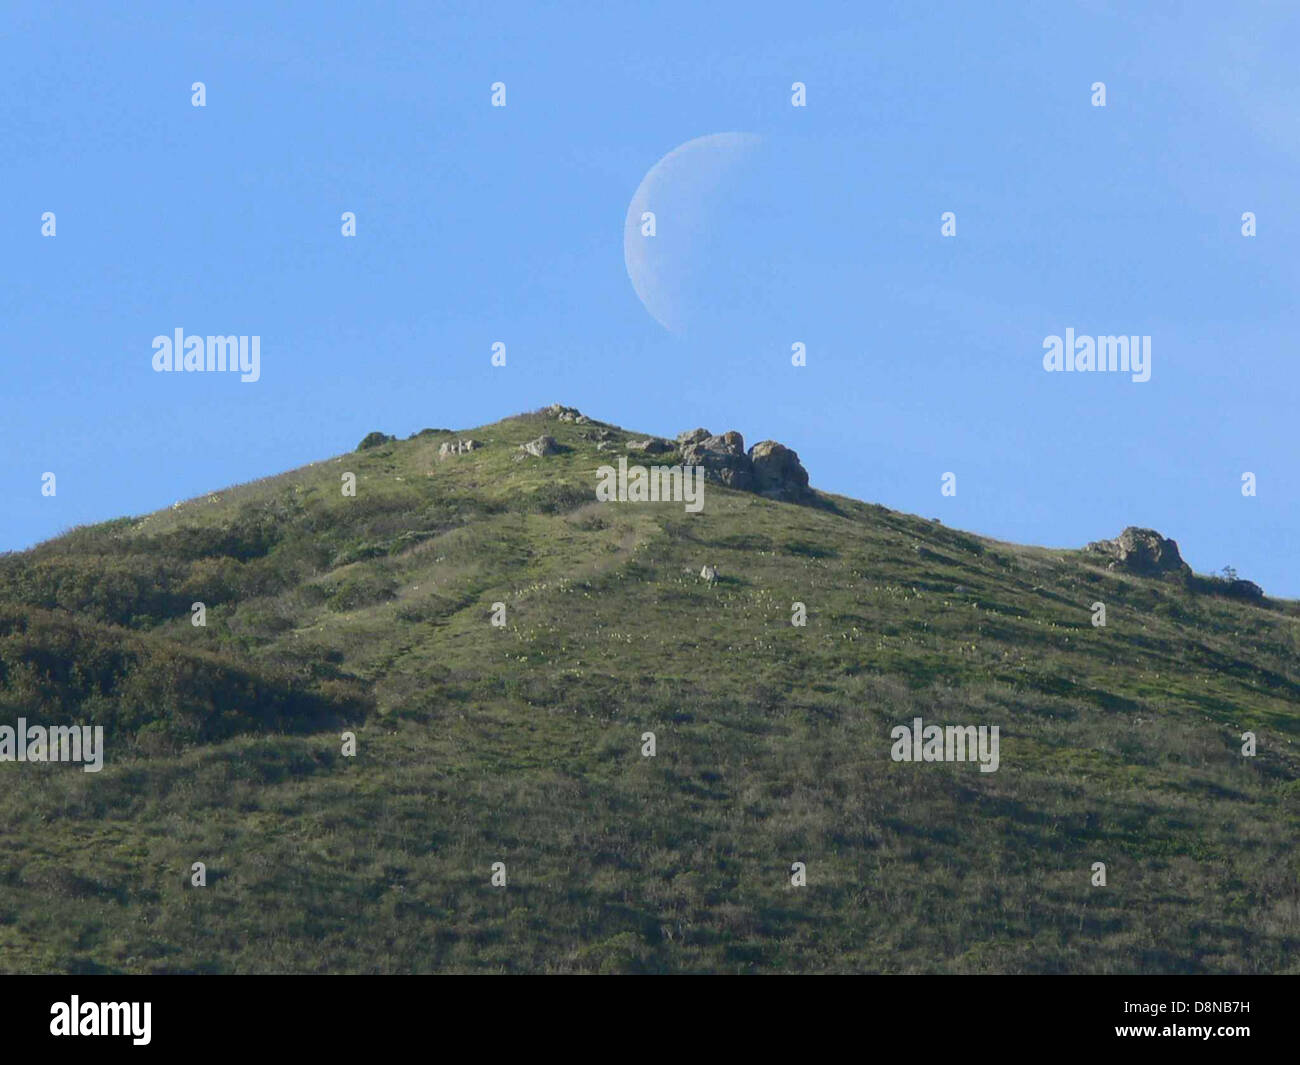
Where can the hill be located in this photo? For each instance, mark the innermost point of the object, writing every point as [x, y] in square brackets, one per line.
[522, 743]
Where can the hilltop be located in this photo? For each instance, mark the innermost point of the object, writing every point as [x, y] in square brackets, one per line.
[522, 743]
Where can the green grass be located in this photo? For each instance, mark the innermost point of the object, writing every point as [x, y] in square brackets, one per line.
[522, 744]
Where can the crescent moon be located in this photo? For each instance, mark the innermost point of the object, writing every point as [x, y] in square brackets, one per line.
[676, 190]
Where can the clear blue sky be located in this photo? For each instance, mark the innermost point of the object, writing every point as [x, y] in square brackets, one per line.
[479, 224]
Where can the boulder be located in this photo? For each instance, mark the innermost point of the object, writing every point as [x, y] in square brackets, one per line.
[541, 447]
[693, 437]
[651, 445]
[778, 473]
[1143, 552]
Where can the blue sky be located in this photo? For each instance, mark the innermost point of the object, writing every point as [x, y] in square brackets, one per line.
[478, 224]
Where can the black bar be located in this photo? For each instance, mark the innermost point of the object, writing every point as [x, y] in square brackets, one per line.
[346, 1014]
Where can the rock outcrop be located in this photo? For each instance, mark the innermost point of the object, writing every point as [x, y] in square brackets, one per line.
[769, 468]
[566, 414]
[778, 471]
[1143, 552]
[723, 458]
[651, 445]
[541, 447]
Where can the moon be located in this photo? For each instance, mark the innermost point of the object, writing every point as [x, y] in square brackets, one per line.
[681, 191]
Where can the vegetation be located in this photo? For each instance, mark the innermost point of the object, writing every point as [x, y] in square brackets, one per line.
[375, 439]
[522, 744]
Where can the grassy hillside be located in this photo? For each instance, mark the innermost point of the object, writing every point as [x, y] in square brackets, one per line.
[522, 744]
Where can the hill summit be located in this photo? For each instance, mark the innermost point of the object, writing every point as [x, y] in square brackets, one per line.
[648, 718]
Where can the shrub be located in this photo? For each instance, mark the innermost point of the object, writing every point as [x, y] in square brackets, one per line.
[361, 590]
[554, 498]
[62, 670]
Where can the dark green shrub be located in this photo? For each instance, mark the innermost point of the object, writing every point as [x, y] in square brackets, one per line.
[354, 592]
